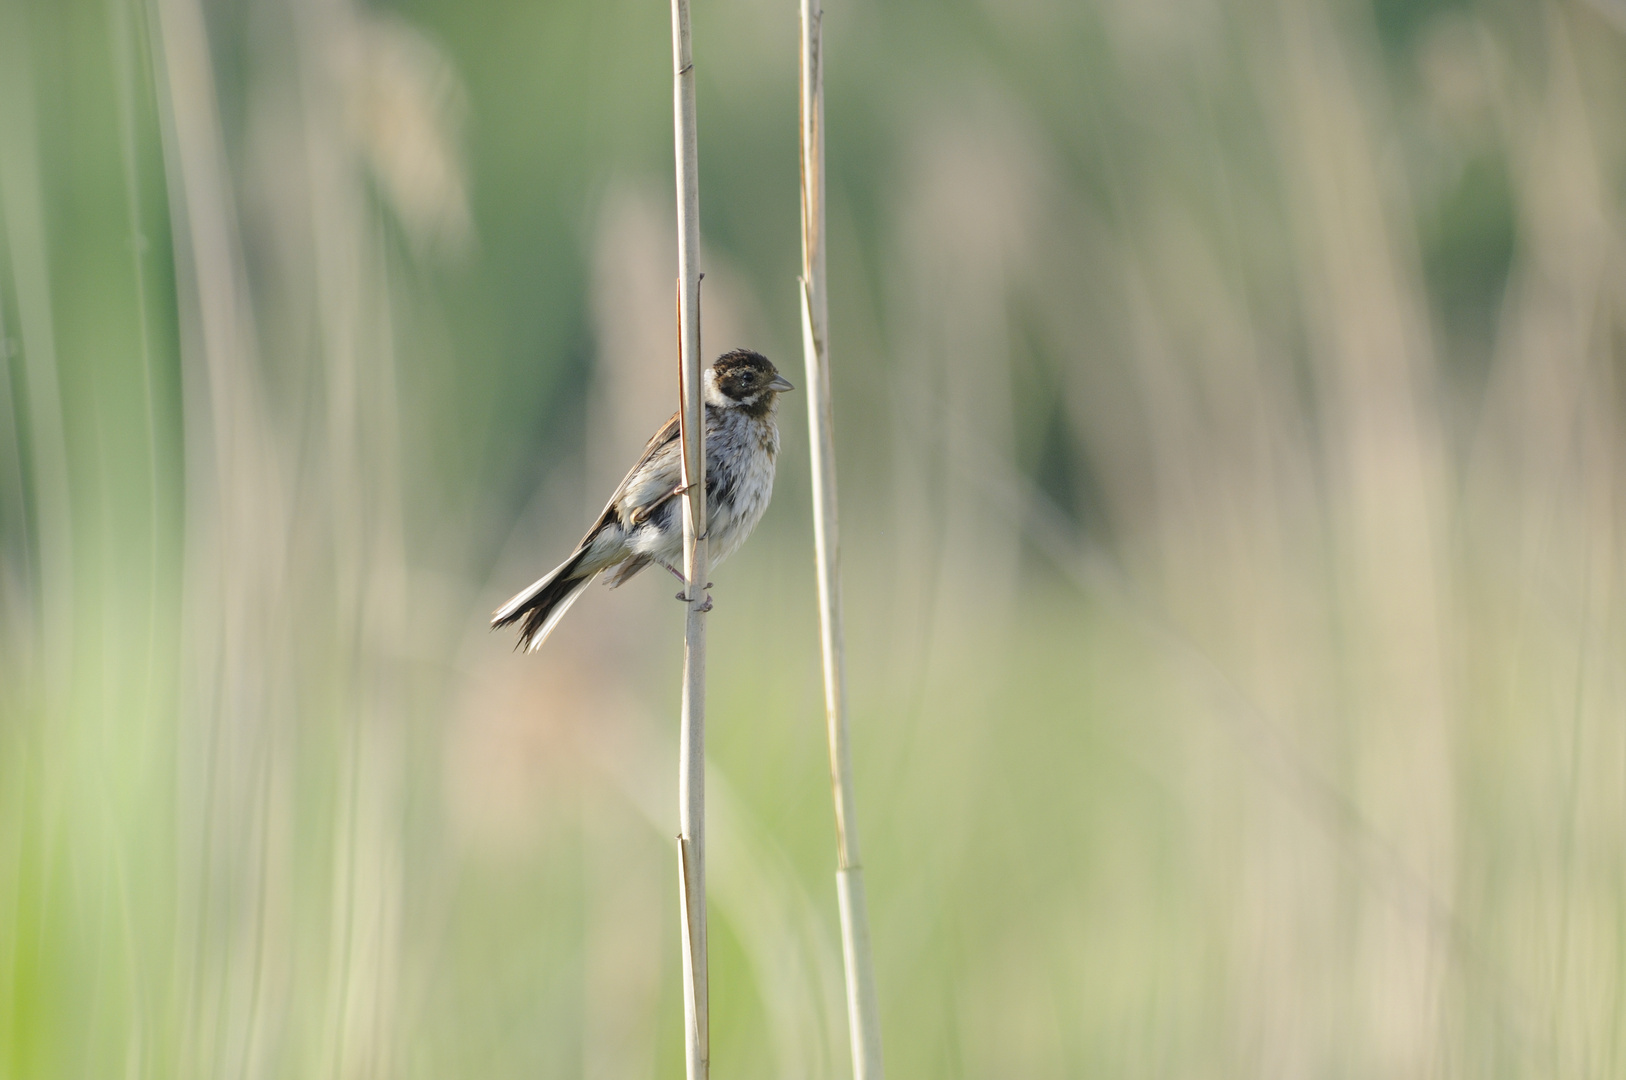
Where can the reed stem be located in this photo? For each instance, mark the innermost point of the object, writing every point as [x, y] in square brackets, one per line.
[692, 753]
[863, 1012]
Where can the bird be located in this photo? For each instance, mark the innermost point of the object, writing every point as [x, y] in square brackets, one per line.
[643, 523]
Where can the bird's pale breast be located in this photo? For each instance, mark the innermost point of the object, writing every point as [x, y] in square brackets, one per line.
[740, 454]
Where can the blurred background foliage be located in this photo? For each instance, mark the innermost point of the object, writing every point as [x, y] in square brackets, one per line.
[1229, 406]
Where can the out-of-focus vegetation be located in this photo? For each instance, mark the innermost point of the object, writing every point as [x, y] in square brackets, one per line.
[1230, 414]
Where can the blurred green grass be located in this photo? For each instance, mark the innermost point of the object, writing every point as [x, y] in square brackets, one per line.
[1229, 419]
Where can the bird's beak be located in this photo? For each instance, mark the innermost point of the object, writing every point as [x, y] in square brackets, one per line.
[780, 383]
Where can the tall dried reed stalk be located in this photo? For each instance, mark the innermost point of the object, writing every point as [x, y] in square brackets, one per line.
[863, 1013]
[696, 563]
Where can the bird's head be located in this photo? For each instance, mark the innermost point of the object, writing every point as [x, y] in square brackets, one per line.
[743, 379]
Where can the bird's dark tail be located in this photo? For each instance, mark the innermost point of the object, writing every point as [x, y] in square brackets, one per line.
[539, 608]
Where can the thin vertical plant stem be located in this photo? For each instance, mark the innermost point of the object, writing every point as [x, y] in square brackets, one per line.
[863, 1011]
[696, 563]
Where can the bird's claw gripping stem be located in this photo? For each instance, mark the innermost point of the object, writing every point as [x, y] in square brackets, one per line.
[704, 607]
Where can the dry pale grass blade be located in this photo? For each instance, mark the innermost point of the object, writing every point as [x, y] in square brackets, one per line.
[359, 491]
[287, 613]
[236, 508]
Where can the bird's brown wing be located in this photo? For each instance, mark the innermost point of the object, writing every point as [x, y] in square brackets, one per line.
[662, 438]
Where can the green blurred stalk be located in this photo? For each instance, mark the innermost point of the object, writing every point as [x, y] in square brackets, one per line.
[89, 515]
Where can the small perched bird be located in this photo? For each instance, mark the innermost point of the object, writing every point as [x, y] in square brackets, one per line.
[643, 521]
